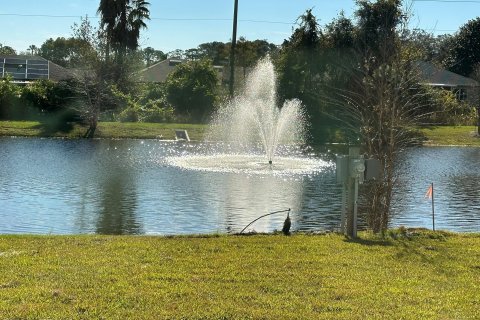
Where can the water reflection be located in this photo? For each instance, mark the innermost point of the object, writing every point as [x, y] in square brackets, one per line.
[455, 176]
[117, 212]
[127, 187]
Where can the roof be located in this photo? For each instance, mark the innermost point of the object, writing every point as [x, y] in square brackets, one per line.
[25, 68]
[159, 71]
[434, 76]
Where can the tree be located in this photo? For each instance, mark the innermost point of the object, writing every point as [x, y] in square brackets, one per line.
[176, 54]
[340, 33]
[216, 51]
[33, 49]
[66, 52]
[465, 51]
[377, 38]
[122, 21]
[192, 89]
[248, 53]
[382, 101]
[300, 64]
[152, 56]
[6, 50]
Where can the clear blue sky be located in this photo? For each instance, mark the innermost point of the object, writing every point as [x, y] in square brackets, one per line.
[184, 24]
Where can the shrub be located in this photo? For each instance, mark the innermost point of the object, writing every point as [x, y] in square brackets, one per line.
[9, 99]
[129, 114]
[447, 110]
[156, 111]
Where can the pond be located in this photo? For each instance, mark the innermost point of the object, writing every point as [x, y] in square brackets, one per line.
[57, 186]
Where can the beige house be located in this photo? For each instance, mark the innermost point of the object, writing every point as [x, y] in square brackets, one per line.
[158, 72]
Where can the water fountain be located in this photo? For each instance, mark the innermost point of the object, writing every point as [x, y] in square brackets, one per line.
[254, 117]
[250, 133]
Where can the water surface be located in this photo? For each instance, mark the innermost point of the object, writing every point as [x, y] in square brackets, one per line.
[132, 187]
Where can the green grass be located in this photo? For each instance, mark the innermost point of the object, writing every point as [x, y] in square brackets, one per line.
[438, 135]
[451, 135]
[104, 130]
[424, 276]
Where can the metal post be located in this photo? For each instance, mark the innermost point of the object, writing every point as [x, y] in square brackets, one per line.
[343, 216]
[232, 49]
[353, 153]
[433, 209]
[355, 209]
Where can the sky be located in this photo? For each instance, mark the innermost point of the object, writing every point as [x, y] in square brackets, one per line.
[184, 24]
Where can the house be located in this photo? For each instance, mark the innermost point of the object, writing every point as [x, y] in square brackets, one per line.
[25, 69]
[158, 72]
[465, 89]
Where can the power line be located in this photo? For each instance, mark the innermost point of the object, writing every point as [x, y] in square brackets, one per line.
[163, 19]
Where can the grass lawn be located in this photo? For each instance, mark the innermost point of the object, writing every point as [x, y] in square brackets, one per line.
[104, 130]
[451, 135]
[420, 276]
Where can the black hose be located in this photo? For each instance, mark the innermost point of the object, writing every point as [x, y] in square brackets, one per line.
[268, 214]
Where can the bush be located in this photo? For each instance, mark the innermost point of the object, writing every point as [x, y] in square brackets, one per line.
[157, 111]
[445, 109]
[130, 114]
[192, 88]
[9, 100]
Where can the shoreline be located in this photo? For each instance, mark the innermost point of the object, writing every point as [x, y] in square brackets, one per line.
[435, 136]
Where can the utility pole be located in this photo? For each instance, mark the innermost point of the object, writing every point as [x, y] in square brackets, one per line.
[232, 49]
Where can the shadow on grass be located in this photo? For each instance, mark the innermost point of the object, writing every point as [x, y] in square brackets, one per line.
[50, 128]
[370, 242]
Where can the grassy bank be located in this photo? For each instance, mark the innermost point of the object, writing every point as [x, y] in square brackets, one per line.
[423, 276]
[104, 130]
[450, 135]
[437, 135]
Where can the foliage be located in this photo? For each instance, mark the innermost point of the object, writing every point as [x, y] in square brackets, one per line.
[46, 95]
[445, 109]
[216, 51]
[66, 52]
[6, 50]
[411, 275]
[152, 56]
[464, 53]
[377, 30]
[129, 114]
[424, 46]
[248, 53]
[192, 88]
[9, 100]
[377, 98]
[122, 21]
[300, 65]
[151, 106]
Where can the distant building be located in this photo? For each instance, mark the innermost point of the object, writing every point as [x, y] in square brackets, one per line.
[158, 72]
[25, 69]
[465, 89]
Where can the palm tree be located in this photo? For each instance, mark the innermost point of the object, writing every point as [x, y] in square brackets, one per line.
[108, 11]
[123, 20]
[33, 49]
[136, 20]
